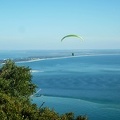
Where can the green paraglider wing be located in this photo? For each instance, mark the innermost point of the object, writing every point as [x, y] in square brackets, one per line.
[71, 35]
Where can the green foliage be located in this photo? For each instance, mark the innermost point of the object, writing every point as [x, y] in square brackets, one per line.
[67, 116]
[81, 118]
[18, 79]
[15, 89]
[4, 85]
[12, 108]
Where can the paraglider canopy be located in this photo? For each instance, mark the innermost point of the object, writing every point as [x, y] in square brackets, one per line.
[71, 35]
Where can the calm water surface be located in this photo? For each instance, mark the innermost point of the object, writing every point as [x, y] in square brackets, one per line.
[87, 83]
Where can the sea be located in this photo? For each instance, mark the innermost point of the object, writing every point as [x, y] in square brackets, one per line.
[87, 83]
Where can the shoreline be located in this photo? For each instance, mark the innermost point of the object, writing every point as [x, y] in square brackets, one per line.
[35, 59]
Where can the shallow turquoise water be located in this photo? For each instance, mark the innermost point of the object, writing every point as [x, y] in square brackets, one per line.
[66, 82]
[93, 110]
[88, 83]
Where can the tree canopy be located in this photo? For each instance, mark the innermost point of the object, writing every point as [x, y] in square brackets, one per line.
[17, 79]
[15, 89]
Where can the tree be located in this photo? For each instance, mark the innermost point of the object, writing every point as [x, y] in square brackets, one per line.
[15, 87]
[18, 79]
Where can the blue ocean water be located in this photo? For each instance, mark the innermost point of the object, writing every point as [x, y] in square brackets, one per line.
[87, 83]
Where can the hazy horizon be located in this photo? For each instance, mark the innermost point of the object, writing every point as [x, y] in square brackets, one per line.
[28, 24]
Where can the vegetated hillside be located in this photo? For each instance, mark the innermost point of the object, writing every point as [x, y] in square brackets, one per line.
[15, 89]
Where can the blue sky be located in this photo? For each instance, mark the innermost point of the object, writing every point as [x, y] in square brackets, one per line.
[40, 24]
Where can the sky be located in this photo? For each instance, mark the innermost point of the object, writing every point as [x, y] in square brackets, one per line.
[40, 24]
